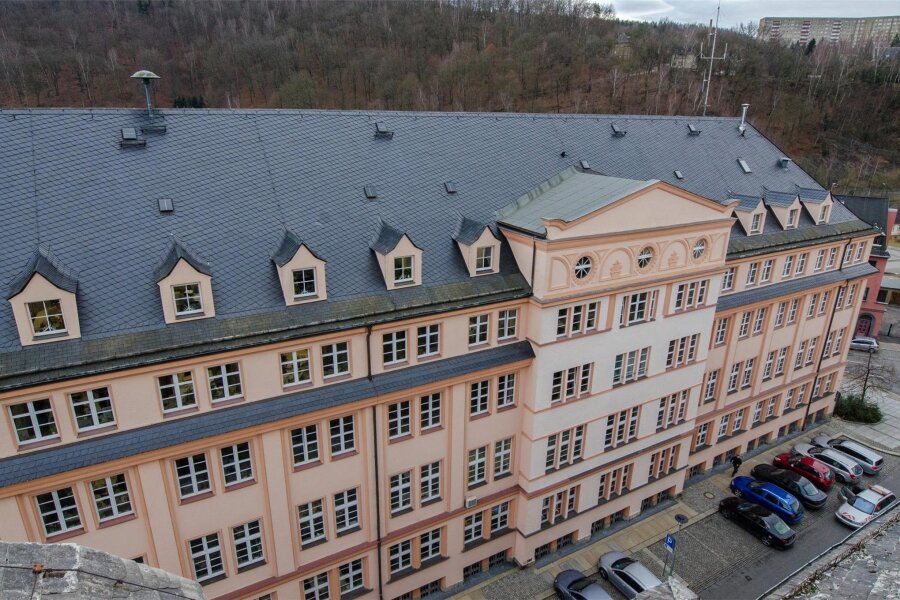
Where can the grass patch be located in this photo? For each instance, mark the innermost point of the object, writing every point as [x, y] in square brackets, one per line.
[853, 408]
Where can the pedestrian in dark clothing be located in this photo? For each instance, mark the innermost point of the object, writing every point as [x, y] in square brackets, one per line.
[736, 462]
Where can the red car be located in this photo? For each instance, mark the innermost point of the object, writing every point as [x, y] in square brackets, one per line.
[814, 470]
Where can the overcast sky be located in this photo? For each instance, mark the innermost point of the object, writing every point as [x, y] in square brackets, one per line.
[741, 11]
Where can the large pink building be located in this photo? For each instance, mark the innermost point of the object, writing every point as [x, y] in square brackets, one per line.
[342, 354]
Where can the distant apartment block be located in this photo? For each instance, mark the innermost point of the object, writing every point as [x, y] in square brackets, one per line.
[850, 32]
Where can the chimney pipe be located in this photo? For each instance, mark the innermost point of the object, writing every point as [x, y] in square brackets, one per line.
[146, 77]
[743, 125]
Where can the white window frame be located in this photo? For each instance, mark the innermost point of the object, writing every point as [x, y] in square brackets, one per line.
[507, 322]
[111, 497]
[311, 517]
[400, 555]
[479, 397]
[305, 444]
[399, 419]
[49, 309]
[709, 392]
[339, 429]
[182, 390]
[473, 528]
[206, 551]
[316, 587]
[752, 272]
[476, 466]
[31, 419]
[728, 279]
[193, 473]
[721, 330]
[299, 278]
[401, 491]
[506, 390]
[225, 379]
[393, 347]
[350, 575]
[346, 510]
[484, 259]
[499, 517]
[335, 359]
[247, 539]
[766, 274]
[430, 545]
[95, 404]
[192, 296]
[430, 411]
[430, 482]
[428, 340]
[59, 505]
[503, 457]
[788, 269]
[756, 223]
[479, 329]
[237, 463]
[295, 367]
[404, 269]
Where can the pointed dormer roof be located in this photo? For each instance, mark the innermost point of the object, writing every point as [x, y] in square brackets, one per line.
[776, 198]
[746, 202]
[178, 252]
[287, 249]
[812, 194]
[468, 231]
[386, 238]
[45, 263]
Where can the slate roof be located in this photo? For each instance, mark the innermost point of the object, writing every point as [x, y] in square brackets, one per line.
[746, 203]
[779, 198]
[178, 252]
[873, 211]
[239, 178]
[43, 463]
[288, 247]
[567, 196]
[468, 231]
[386, 239]
[45, 263]
[814, 195]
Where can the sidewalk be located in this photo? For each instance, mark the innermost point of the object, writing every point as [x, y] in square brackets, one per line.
[884, 436]
[699, 500]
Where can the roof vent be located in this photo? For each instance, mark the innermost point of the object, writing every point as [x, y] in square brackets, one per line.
[693, 130]
[450, 186]
[679, 174]
[784, 161]
[585, 165]
[744, 166]
[382, 132]
[617, 131]
[130, 138]
[370, 192]
[166, 205]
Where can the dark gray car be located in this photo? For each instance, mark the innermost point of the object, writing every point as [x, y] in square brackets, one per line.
[628, 575]
[572, 585]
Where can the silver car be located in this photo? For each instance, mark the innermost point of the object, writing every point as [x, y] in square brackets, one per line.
[842, 466]
[870, 461]
[628, 575]
[572, 585]
[866, 344]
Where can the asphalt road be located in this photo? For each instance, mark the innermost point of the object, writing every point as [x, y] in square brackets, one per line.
[888, 355]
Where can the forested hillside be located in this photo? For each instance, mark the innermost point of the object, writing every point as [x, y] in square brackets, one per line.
[837, 114]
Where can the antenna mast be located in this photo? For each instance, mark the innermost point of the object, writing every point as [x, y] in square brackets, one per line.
[707, 82]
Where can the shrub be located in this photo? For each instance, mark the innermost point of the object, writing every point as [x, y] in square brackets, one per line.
[853, 408]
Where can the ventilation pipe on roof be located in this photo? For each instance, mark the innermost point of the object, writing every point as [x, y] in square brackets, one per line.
[146, 77]
[743, 126]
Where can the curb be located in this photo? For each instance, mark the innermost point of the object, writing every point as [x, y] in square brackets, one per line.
[867, 442]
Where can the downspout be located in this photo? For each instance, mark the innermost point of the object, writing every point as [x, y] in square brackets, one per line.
[377, 471]
[533, 258]
[827, 331]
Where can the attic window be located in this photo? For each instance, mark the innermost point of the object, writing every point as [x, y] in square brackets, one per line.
[756, 223]
[129, 134]
[46, 317]
[450, 187]
[744, 166]
[693, 130]
[617, 131]
[382, 132]
[679, 174]
[166, 205]
[370, 192]
[585, 165]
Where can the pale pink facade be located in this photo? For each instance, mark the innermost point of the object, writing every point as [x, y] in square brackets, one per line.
[609, 410]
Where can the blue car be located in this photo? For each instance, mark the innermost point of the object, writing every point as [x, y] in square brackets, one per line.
[768, 495]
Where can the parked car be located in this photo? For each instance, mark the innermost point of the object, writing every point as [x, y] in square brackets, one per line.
[815, 470]
[870, 461]
[769, 496]
[843, 468]
[759, 521]
[628, 575]
[572, 585]
[798, 485]
[866, 344]
[864, 503]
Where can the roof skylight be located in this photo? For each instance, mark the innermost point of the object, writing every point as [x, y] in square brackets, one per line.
[744, 166]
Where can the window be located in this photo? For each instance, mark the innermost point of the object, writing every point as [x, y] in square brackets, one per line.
[767, 368]
[207, 557]
[721, 331]
[430, 411]
[645, 257]
[479, 397]
[351, 576]
[832, 256]
[760, 320]
[801, 263]
[792, 217]
[33, 421]
[312, 522]
[316, 588]
[618, 427]
[723, 426]
[503, 457]
[690, 295]
[733, 378]
[403, 269]
[792, 313]
[745, 324]
[394, 347]
[613, 483]
[702, 433]
[248, 547]
[506, 390]
[499, 517]
[811, 309]
[477, 469]
[756, 223]
[682, 351]
[779, 315]
[848, 252]
[859, 251]
[747, 379]
[335, 359]
[506, 324]
[798, 360]
[671, 409]
[177, 391]
[709, 390]
[237, 463]
[401, 556]
[399, 419]
[850, 293]
[728, 279]
[111, 497]
[583, 267]
[630, 366]
[401, 491]
[562, 322]
[757, 412]
[788, 269]
[304, 283]
[429, 340]
[738, 419]
[820, 260]
[46, 317]
[305, 444]
[295, 367]
[699, 248]
[478, 330]
[430, 482]
[193, 475]
[474, 528]
[224, 382]
[342, 435]
[484, 259]
[752, 272]
[577, 382]
[187, 299]
[824, 302]
[430, 545]
[767, 271]
[92, 409]
[829, 341]
[812, 350]
[838, 340]
[346, 510]
[638, 308]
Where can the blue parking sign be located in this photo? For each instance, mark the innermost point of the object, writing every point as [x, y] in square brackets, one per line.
[670, 542]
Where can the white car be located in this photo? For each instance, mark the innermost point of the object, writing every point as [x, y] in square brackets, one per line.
[843, 467]
[866, 344]
[862, 504]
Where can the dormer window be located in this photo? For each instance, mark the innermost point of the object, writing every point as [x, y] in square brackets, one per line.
[823, 213]
[46, 317]
[403, 269]
[188, 300]
[792, 217]
[304, 283]
[484, 259]
[756, 223]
